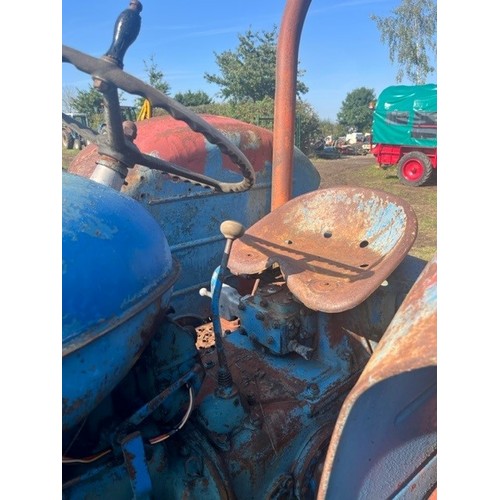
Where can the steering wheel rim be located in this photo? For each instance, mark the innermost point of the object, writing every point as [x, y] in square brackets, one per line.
[110, 73]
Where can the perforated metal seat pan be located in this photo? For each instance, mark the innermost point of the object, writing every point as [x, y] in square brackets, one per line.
[334, 246]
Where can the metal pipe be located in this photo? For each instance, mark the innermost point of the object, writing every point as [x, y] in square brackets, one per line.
[285, 96]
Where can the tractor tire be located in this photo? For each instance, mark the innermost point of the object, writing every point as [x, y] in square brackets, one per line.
[414, 169]
[67, 140]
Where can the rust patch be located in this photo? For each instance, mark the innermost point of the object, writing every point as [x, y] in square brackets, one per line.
[205, 337]
[335, 246]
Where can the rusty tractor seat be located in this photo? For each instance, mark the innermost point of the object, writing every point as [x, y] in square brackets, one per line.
[334, 246]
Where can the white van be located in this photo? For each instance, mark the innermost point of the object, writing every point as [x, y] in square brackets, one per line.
[354, 138]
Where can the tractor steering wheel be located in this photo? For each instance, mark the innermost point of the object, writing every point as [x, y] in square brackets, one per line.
[108, 77]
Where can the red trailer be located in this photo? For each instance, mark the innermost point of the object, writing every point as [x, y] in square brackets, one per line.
[405, 132]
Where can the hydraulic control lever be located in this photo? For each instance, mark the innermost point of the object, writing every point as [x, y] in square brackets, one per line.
[231, 231]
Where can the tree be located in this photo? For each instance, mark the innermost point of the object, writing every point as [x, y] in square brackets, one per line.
[411, 36]
[156, 78]
[327, 127]
[261, 113]
[91, 103]
[68, 95]
[87, 101]
[248, 73]
[354, 112]
[198, 98]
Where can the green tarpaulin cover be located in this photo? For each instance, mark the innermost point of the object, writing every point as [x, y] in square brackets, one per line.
[406, 115]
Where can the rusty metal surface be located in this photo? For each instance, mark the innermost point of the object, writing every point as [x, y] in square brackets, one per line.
[289, 422]
[284, 107]
[175, 142]
[334, 246]
[413, 330]
[392, 409]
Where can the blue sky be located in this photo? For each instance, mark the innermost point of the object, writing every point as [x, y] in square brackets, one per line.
[340, 46]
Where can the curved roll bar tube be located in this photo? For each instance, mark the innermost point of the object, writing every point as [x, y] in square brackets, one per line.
[285, 99]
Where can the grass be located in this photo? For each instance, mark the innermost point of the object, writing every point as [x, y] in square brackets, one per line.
[67, 156]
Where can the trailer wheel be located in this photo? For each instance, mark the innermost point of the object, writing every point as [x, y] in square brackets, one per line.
[414, 169]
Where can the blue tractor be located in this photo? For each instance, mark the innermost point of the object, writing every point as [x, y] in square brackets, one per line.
[229, 330]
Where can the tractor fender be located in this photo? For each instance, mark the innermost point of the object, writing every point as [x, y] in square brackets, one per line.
[387, 424]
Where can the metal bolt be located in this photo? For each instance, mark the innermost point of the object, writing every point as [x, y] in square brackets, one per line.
[345, 355]
[314, 389]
